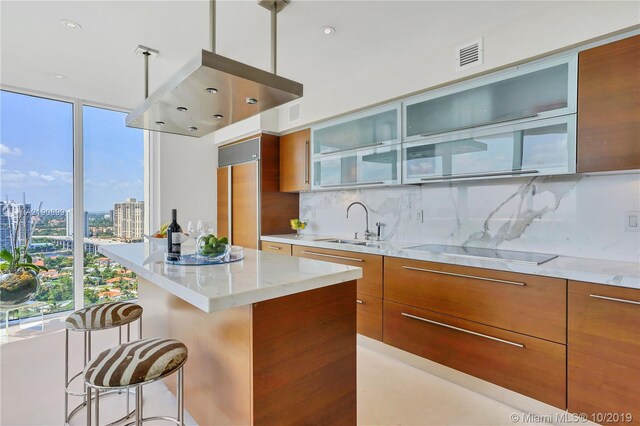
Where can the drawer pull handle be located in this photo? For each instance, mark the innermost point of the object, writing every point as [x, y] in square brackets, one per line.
[275, 248]
[520, 345]
[614, 299]
[333, 256]
[359, 301]
[464, 276]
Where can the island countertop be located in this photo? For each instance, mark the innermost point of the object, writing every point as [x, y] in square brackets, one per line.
[258, 277]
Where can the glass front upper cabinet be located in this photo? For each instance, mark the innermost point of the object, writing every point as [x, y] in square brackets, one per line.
[374, 127]
[541, 90]
[541, 147]
[363, 167]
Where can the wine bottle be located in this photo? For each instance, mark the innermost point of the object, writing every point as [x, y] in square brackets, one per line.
[174, 241]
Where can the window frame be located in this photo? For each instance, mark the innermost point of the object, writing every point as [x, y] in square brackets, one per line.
[78, 180]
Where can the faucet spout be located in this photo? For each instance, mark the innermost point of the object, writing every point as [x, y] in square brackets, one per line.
[367, 233]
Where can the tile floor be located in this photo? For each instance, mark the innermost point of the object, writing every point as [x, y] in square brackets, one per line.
[389, 392]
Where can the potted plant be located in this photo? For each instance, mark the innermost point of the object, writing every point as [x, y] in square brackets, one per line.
[19, 280]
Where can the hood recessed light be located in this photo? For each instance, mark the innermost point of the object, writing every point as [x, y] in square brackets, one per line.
[181, 109]
[193, 129]
[211, 90]
[251, 101]
[160, 123]
[70, 24]
[59, 76]
[328, 30]
[217, 116]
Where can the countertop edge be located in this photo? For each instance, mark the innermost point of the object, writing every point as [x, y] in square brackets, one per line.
[548, 269]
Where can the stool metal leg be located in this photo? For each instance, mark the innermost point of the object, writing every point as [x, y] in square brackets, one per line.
[88, 398]
[138, 405]
[66, 374]
[97, 407]
[180, 392]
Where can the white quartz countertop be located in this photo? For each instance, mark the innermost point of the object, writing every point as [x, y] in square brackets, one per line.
[599, 271]
[259, 276]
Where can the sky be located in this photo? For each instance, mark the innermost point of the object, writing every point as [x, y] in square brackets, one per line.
[36, 154]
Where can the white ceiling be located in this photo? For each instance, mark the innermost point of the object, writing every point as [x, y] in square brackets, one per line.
[402, 40]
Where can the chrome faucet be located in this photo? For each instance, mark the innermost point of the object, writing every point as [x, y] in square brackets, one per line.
[368, 235]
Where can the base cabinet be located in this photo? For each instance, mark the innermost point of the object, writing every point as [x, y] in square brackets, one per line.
[524, 364]
[369, 316]
[604, 353]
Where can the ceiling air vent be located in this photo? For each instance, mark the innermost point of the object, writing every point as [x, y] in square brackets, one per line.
[294, 112]
[469, 55]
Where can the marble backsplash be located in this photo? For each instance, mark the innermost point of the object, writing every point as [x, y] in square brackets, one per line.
[576, 215]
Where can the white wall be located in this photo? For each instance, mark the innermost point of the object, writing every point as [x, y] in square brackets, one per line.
[183, 177]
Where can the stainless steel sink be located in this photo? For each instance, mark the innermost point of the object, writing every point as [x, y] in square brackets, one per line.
[352, 242]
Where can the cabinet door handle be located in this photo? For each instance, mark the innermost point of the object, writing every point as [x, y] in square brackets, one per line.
[520, 345]
[352, 149]
[275, 248]
[480, 175]
[359, 301]
[333, 256]
[307, 154]
[614, 299]
[464, 276]
[351, 184]
[486, 123]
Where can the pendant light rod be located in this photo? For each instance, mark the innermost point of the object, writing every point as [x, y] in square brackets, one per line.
[212, 24]
[147, 52]
[274, 6]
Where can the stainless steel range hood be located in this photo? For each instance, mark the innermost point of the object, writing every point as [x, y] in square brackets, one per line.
[213, 91]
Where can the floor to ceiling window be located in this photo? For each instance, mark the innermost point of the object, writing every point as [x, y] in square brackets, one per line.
[113, 200]
[36, 177]
[38, 149]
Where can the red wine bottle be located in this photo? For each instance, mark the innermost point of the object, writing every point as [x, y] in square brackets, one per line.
[174, 241]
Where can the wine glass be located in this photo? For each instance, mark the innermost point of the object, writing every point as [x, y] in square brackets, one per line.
[192, 228]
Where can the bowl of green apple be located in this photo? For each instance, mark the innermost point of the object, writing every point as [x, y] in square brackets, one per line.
[212, 247]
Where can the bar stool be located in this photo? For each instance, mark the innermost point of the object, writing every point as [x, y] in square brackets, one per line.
[133, 365]
[86, 321]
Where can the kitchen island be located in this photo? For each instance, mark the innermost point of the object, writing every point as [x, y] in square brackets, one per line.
[272, 339]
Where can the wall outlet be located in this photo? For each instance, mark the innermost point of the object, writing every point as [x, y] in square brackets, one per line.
[419, 216]
[632, 221]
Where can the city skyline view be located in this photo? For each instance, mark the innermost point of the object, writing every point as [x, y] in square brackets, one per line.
[36, 154]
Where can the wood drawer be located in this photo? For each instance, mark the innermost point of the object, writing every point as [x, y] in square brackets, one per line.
[537, 369]
[369, 316]
[604, 351]
[527, 304]
[279, 248]
[371, 264]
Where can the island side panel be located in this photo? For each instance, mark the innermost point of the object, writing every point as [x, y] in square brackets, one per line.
[218, 372]
[304, 358]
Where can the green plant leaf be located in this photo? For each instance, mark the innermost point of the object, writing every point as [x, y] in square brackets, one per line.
[28, 258]
[6, 255]
[4, 266]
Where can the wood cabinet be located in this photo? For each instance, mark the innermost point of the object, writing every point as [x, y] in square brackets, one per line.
[530, 366]
[371, 264]
[527, 304]
[278, 248]
[609, 107]
[604, 352]
[249, 201]
[369, 300]
[295, 161]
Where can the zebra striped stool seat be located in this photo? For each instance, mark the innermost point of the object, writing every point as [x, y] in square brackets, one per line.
[100, 317]
[132, 365]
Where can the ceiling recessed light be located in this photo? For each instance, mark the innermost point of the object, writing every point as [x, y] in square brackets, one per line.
[160, 123]
[211, 90]
[328, 30]
[217, 116]
[70, 24]
[193, 129]
[59, 76]
[181, 109]
[251, 101]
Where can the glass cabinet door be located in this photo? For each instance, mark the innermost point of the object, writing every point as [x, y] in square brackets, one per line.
[367, 167]
[532, 92]
[541, 147]
[379, 126]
